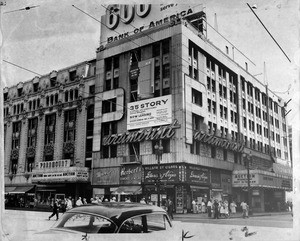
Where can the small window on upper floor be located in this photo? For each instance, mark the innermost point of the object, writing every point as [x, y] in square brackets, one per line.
[20, 91]
[72, 75]
[227, 50]
[5, 96]
[53, 82]
[92, 89]
[35, 87]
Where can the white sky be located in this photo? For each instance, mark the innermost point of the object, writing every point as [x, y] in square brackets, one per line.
[56, 35]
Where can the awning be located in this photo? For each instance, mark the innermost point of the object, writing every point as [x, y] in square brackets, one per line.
[9, 189]
[199, 187]
[19, 190]
[128, 190]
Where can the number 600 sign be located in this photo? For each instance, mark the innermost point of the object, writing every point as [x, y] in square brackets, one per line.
[125, 13]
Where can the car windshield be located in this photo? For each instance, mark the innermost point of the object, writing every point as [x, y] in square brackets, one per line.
[86, 223]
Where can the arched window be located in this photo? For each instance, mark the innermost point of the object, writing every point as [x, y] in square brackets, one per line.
[47, 101]
[34, 102]
[76, 94]
[66, 96]
[56, 98]
[71, 94]
[51, 99]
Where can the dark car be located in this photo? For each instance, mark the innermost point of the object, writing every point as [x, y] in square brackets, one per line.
[122, 219]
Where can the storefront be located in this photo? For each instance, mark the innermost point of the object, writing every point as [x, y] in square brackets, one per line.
[169, 179]
[19, 196]
[57, 180]
[267, 189]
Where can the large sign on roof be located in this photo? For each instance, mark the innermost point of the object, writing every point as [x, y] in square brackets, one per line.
[121, 20]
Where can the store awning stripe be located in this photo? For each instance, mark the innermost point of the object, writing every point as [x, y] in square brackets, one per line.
[20, 190]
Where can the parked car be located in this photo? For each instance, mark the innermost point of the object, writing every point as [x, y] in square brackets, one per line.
[113, 220]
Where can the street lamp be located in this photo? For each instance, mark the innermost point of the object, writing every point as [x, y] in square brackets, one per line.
[158, 153]
[247, 161]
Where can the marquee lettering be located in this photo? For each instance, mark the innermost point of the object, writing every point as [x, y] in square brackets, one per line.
[217, 141]
[153, 133]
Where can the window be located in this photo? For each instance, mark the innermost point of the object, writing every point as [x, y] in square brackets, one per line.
[196, 97]
[35, 87]
[197, 121]
[87, 223]
[16, 134]
[32, 132]
[270, 103]
[89, 148]
[53, 81]
[92, 89]
[70, 125]
[245, 122]
[134, 151]
[208, 83]
[213, 107]
[109, 105]
[20, 92]
[50, 124]
[209, 104]
[109, 128]
[213, 85]
[72, 75]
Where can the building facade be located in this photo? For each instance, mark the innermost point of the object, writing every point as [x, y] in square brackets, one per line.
[161, 112]
[162, 83]
[48, 125]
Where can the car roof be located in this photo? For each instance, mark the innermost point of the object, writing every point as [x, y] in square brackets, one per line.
[117, 211]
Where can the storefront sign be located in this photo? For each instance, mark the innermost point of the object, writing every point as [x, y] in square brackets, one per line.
[241, 180]
[163, 132]
[122, 18]
[71, 176]
[131, 174]
[217, 141]
[197, 175]
[150, 112]
[168, 174]
[106, 176]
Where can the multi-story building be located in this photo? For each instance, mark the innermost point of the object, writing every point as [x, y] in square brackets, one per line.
[167, 93]
[48, 125]
[165, 112]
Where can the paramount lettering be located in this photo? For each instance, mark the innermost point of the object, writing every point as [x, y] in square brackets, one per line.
[217, 141]
[141, 135]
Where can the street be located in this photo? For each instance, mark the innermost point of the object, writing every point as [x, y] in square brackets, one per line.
[19, 225]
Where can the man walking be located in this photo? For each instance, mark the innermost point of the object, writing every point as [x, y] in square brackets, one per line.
[244, 208]
[209, 204]
[69, 204]
[55, 210]
[170, 208]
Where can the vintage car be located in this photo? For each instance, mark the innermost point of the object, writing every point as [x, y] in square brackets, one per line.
[114, 220]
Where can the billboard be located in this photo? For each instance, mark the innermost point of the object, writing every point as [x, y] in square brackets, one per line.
[150, 112]
[122, 20]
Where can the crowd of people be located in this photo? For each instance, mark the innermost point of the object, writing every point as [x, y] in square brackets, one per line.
[218, 208]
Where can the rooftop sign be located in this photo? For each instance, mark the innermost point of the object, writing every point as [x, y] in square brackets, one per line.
[121, 21]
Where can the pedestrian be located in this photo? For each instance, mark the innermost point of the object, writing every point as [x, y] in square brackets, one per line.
[69, 204]
[79, 202]
[113, 199]
[209, 205]
[216, 209]
[94, 200]
[203, 207]
[84, 201]
[194, 205]
[127, 200]
[244, 208]
[143, 201]
[54, 210]
[169, 206]
[98, 200]
[233, 207]
[226, 210]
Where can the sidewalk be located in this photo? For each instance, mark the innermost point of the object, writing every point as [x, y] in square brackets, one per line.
[236, 215]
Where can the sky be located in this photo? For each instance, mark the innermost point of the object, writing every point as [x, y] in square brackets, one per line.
[55, 35]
